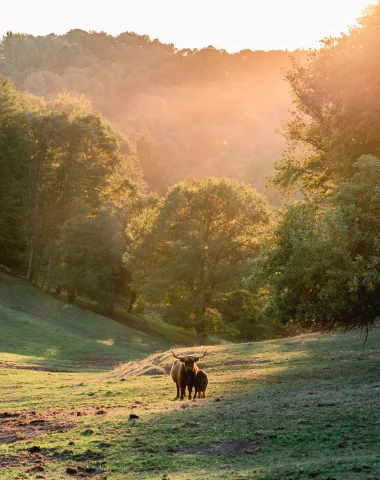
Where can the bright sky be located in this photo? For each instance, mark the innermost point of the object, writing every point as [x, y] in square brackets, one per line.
[229, 24]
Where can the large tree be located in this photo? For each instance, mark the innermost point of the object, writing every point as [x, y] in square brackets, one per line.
[323, 263]
[78, 160]
[197, 250]
[336, 95]
[66, 174]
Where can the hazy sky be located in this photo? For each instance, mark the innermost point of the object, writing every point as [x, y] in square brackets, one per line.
[229, 24]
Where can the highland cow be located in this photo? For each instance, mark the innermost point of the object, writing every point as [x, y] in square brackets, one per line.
[201, 382]
[183, 373]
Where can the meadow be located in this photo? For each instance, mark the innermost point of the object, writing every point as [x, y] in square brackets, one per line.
[85, 397]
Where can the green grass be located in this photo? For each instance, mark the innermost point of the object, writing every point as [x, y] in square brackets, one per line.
[39, 329]
[149, 323]
[297, 408]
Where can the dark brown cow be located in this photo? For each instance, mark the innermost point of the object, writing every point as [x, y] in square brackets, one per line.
[201, 382]
[184, 372]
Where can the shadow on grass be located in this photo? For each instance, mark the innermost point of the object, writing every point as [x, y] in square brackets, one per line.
[306, 418]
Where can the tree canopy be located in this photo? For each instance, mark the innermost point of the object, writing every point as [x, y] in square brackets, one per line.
[197, 249]
[323, 262]
[336, 117]
[64, 171]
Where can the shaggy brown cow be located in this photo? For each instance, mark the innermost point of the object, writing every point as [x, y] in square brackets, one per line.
[201, 382]
[184, 372]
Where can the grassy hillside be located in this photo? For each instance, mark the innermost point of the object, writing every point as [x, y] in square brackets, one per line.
[39, 330]
[296, 408]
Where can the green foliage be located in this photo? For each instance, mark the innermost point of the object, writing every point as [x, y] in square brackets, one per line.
[81, 172]
[323, 264]
[89, 254]
[336, 116]
[67, 181]
[197, 248]
[244, 319]
[13, 149]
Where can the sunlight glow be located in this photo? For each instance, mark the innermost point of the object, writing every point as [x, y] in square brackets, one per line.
[232, 25]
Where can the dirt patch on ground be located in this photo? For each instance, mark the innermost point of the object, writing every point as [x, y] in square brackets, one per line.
[42, 461]
[97, 361]
[21, 426]
[230, 446]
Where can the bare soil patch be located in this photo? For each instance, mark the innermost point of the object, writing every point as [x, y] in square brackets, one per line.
[97, 361]
[38, 461]
[43, 461]
[21, 426]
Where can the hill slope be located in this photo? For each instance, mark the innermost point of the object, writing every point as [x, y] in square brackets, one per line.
[40, 330]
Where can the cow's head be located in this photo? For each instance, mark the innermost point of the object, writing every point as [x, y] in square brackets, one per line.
[189, 361]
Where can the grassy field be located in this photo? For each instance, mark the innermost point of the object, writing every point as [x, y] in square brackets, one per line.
[38, 329]
[298, 408]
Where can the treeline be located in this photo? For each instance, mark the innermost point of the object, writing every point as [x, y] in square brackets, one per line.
[191, 112]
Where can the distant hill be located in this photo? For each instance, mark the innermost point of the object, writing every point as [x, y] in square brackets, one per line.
[191, 112]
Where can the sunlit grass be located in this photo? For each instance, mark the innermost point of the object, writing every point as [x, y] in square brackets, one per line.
[108, 341]
[53, 334]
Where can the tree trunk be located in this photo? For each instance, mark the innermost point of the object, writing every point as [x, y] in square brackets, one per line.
[70, 296]
[132, 301]
[43, 279]
[48, 280]
[200, 337]
[58, 290]
[36, 209]
[29, 275]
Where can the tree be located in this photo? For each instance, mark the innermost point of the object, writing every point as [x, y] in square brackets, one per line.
[323, 265]
[197, 250]
[89, 255]
[13, 155]
[65, 174]
[78, 159]
[337, 110]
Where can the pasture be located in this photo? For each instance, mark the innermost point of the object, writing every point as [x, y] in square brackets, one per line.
[102, 406]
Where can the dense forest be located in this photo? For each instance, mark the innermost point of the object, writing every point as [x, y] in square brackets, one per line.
[190, 112]
[115, 217]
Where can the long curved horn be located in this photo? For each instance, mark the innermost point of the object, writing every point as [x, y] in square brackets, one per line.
[201, 355]
[176, 356]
